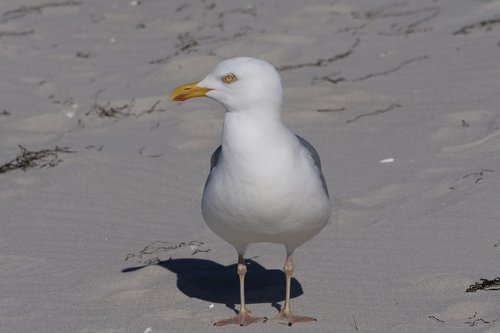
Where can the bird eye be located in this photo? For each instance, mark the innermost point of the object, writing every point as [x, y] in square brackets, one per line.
[229, 78]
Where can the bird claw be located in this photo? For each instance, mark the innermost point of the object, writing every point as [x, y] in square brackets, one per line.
[290, 319]
[242, 319]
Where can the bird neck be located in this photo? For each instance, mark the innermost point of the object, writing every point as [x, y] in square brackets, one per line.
[251, 132]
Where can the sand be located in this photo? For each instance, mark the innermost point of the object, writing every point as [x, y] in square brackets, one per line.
[401, 99]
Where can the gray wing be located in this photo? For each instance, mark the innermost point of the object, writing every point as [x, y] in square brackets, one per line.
[215, 158]
[213, 162]
[315, 157]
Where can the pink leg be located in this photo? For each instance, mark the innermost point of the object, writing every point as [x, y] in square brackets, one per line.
[286, 316]
[243, 318]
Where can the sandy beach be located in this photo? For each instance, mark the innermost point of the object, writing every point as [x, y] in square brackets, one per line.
[101, 176]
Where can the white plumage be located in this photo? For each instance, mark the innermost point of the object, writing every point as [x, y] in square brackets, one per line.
[265, 183]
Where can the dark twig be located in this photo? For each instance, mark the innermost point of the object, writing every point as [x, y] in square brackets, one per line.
[392, 70]
[354, 324]
[475, 321]
[141, 151]
[412, 27]
[29, 159]
[479, 175]
[330, 79]
[352, 29]
[436, 319]
[187, 43]
[374, 113]
[486, 25]
[151, 109]
[322, 61]
[331, 110]
[407, 29]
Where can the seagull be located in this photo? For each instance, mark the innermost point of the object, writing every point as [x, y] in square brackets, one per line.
[265, 183]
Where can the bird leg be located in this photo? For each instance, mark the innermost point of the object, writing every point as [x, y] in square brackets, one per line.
[286, 316]
[243, 318]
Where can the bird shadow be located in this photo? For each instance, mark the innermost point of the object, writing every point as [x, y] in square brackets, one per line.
[216, 283]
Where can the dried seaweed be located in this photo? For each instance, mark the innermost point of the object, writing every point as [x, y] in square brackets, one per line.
[141, 151]
[381, 12]
[354, 324]
[335, 80]
[107, 110]
[16, 33]
[412, 27]
[484, 284]
[374, 113]
[406, 29]
[486, 25]
[28, 159]
[352, 29]
[479, 175]
[112, 111]
[153, 108]
[322, 61]
[478, 320]
[187, 43]
[392, 70]
[475, 321]
[149, 255]
[249, 10]
[181, 7]
[67, 102]
[85, 55]
[388, 11]
[28, 10]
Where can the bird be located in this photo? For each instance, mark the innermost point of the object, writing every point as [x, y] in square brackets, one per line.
[265, 183]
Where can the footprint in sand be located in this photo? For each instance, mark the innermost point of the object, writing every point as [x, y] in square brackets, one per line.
[469, 132]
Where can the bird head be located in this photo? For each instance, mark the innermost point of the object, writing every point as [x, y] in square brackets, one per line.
[239, 84]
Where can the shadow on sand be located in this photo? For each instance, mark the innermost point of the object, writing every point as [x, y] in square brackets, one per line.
[216, 283]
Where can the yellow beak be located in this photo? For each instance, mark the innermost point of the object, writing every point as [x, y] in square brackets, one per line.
[187, 91]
